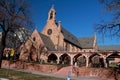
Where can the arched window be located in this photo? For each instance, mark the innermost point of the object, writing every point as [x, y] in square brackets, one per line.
[51, 15]
[34, 38]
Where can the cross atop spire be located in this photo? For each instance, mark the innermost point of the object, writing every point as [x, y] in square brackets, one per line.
[52, 6]
[53, 3]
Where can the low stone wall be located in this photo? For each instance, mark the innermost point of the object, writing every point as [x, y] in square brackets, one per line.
[31, 66]
[97, 72]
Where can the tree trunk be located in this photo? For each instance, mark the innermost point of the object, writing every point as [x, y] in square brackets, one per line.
[2, 47]
[115, 74]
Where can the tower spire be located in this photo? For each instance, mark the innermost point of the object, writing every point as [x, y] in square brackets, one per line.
[53, 3]
[52, 6]
[52, 13]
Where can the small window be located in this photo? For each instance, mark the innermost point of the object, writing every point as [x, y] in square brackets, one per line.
[49, 32]
[34, 39]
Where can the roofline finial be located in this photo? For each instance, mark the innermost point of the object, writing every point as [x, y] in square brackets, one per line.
[53, 4]
[95, 34]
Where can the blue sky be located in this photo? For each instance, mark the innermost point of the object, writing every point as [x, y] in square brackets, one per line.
[76, 16]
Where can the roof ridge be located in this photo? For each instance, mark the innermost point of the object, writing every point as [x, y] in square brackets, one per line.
[68, 31]
[70, 37]
[108, 45]
[86, 37]
[115, 47]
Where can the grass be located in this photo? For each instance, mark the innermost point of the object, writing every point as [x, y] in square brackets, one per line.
[17, 75]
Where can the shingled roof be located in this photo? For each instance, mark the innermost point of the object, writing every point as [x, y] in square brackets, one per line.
[110, 47]
[86, 42]
[48, 42]
[70, 37]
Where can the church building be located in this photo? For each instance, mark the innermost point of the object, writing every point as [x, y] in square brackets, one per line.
[56, 45]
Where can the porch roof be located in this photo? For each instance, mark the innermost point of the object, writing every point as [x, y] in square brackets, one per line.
[109, 47]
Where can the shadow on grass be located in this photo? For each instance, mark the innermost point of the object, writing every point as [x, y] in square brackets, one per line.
[17, 75]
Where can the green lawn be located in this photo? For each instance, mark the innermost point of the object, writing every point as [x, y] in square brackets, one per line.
[16, 75]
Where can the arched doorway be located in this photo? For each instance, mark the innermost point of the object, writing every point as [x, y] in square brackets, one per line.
[96, 60]
[113, 59]
[80, 59]
[65, 59]
[52, 58]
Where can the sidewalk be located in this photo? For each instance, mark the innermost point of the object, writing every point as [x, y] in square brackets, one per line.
[55, 75]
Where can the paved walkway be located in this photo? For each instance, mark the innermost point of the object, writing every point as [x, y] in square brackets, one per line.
[55, 75]
[64, 71]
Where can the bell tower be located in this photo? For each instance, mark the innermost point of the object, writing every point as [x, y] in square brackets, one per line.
[52, 14]
[51, 28]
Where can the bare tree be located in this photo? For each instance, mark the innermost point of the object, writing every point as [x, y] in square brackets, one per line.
[41, 50]
[13, 15]
[111, 27]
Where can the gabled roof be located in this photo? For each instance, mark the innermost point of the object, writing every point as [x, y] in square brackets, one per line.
[86, 43]
[110, 47]
[48, 42]
[70, 37]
